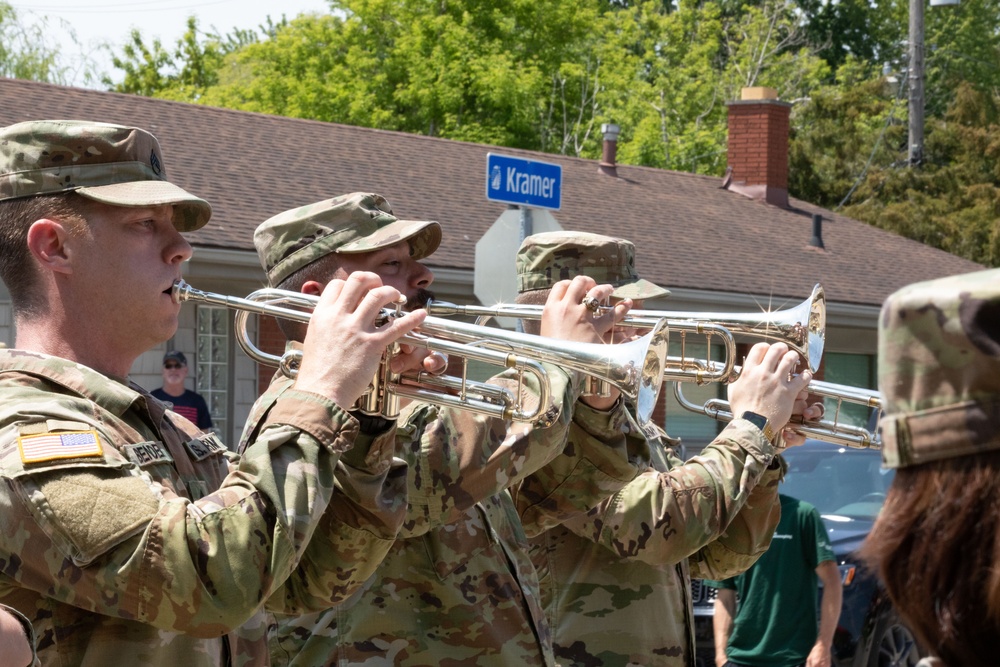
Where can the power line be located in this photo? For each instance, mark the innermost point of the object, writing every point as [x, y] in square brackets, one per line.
[864, 171]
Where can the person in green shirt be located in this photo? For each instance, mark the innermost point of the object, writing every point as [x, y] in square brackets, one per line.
[762, 616]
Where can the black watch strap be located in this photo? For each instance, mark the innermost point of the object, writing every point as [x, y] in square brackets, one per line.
[761, 422]
[371, 424]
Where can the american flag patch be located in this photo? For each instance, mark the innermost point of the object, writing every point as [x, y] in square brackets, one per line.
[65, 445]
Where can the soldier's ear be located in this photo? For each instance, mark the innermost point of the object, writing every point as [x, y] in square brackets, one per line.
[49, 243]
[312, 287]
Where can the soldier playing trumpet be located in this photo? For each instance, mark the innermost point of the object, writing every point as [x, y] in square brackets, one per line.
[130, 537]
[616, 580]
[458, 584]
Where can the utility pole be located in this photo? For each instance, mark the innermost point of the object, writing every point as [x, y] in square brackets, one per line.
[916, 76]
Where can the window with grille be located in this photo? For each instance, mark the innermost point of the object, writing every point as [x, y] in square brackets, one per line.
[854, 370]
[213, 363]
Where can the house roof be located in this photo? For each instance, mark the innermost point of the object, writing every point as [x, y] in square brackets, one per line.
[690, 232]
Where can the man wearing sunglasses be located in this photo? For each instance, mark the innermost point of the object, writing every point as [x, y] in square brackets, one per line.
[185, 402]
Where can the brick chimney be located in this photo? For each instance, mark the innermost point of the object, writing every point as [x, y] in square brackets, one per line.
[758, 146]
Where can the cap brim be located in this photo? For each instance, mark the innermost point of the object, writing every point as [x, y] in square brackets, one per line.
[424, 237]
[639, 289]
[190, 212]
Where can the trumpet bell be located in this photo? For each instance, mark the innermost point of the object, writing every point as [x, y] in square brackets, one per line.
[650, 379]
[634, 368]
[801, 327]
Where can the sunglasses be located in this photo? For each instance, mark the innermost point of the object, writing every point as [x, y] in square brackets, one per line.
[170, 365]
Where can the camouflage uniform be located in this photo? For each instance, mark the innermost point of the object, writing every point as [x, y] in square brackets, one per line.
[937, 369]
[131, 538]
[134, 585]
[120, 166]
[616, 581]
[939, 376]
[457, 588]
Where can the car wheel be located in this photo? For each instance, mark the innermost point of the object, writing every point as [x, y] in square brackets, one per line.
[893, 644]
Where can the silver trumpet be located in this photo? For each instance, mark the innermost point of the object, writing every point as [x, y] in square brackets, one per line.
[802, 328]
[634, 368]
[832, 429]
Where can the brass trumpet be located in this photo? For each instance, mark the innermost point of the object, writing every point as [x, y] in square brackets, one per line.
[634, 368]
[802, 328]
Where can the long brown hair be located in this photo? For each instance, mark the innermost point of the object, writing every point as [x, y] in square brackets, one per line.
[936, 545]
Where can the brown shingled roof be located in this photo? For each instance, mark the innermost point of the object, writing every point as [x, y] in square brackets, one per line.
[690, 232]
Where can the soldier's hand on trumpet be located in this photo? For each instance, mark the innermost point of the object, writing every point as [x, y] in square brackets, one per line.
[418, 359]
[345, 341]
[789, 435]
[769, 386]
[572, 312]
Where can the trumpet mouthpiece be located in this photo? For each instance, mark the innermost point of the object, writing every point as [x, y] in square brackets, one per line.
[179, 291]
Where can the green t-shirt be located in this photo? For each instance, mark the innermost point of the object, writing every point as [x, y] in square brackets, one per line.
[775, 624]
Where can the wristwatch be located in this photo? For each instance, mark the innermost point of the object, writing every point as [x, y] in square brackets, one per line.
[761, 422]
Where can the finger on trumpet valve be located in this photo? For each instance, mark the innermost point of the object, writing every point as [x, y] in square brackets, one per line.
[592, 304]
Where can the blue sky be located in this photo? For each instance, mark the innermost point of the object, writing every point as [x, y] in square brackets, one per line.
[96, 21]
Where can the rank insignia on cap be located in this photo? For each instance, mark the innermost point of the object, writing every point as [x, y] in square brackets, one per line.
[63, 445]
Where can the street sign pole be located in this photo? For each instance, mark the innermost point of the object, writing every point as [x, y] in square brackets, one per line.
[531, 189]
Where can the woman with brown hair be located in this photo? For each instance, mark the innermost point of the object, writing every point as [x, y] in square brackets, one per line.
[936, 543]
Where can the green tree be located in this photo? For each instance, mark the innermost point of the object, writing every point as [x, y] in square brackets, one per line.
[664, 77]
[953, 201]
[669, 102]
[186, 72]
[962, 49]
[859, 29]
[516, 73]
[24, 51]
[475, 70]
[961, 46]
[842, 130]
[767, 46]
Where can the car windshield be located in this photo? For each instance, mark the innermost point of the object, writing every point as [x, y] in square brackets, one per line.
[839, 481]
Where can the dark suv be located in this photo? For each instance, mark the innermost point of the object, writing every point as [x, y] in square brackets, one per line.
[848, 487]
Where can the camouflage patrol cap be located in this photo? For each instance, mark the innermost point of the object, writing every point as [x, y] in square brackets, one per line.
[545, 259]
[939, 369]
[354, 223]
[113, 164]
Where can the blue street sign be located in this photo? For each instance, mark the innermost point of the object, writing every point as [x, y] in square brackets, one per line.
[528, 182]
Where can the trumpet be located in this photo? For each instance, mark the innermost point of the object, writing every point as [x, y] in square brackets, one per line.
[828, 430]
[634, 368]
[802, 328]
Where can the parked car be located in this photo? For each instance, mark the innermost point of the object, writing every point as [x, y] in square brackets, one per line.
[848, 487]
